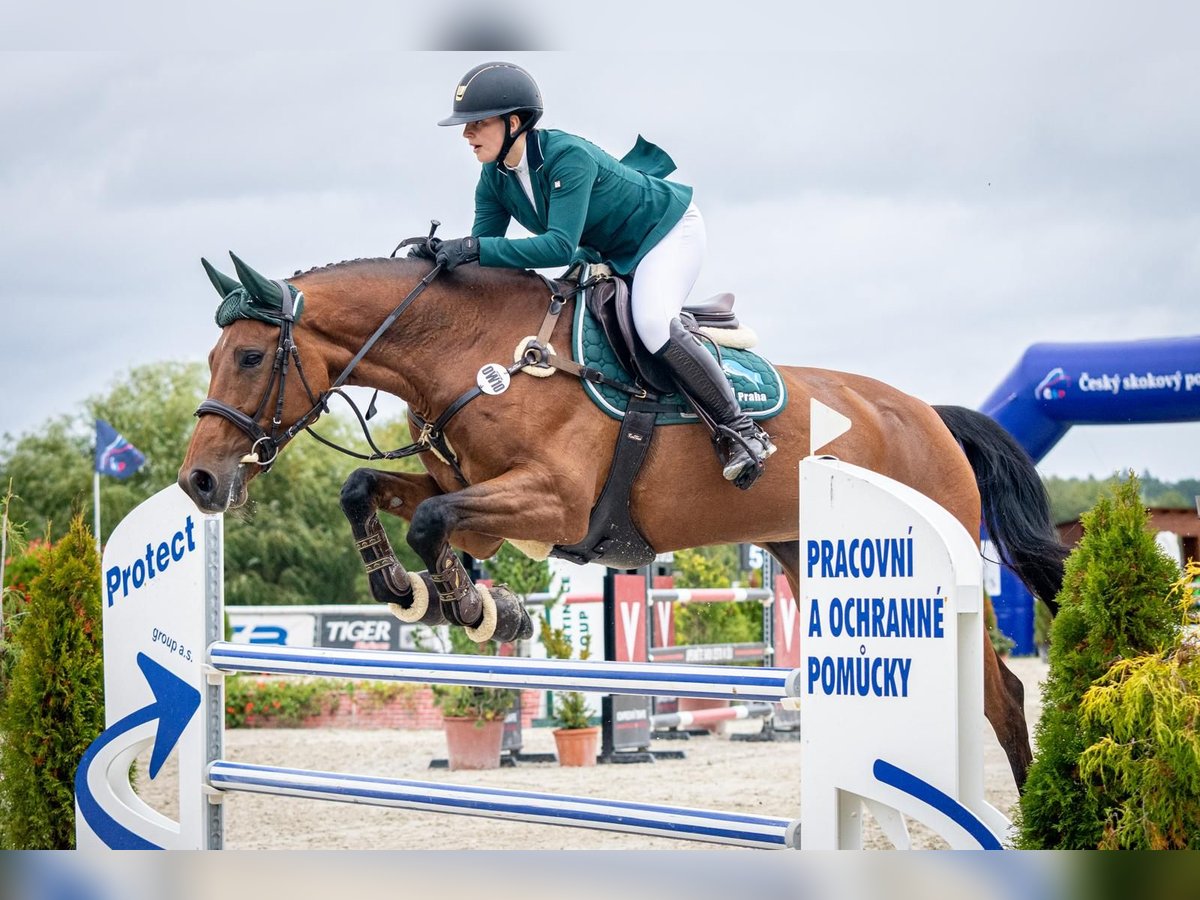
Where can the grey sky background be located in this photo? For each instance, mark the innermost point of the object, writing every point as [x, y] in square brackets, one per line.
[913, 194]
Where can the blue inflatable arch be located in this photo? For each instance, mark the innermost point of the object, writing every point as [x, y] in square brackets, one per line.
[1055, 386]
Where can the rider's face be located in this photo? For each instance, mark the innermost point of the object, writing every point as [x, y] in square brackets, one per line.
[486, 137]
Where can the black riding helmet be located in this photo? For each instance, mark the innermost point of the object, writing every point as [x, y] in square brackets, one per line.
[497, 89]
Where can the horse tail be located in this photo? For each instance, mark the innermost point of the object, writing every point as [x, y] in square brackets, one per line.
[1016, 509]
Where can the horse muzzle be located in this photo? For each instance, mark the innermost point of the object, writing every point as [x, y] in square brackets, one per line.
[211, 492]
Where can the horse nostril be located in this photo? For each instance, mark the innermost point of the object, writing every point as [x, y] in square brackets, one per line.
[202, 482]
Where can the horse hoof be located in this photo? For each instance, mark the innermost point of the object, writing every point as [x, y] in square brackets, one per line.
[421, 610]
[512, 619]
[390, 585]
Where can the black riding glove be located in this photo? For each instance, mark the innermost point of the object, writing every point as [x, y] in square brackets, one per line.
[453, 253]
[426, 249]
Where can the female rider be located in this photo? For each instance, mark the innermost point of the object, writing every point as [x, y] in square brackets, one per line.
[582, 204]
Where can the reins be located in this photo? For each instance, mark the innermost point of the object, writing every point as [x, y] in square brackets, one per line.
[535, 353]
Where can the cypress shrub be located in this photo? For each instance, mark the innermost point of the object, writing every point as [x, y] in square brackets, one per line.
[20, 570]
[1115, 604]
[54, 707]
[1148, 709]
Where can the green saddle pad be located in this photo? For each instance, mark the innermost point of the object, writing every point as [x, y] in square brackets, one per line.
[755, 382]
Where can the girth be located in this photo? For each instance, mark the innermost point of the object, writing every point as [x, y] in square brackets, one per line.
[612, 537]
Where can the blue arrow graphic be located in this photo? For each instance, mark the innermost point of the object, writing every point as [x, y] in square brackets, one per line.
[942, 802]
[175, 702]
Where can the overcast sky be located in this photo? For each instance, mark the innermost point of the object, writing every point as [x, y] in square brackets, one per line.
[917, 195]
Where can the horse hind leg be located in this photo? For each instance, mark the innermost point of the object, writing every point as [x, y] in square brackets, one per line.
[487, 613]
[1004, 707]
[787, 554]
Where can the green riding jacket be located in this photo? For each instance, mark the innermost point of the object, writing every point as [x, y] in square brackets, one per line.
[587, 205]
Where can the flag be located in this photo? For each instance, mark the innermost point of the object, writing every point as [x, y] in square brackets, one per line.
[115, 456]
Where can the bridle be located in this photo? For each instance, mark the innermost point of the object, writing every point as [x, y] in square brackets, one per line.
[535, 353]
[265, 446]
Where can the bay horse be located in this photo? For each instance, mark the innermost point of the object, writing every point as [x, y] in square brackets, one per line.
[527, 464]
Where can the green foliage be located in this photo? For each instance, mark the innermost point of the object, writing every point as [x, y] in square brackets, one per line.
[463, 701]
[706, 567]
[289, 545]
[569, 709]
[718, 623]
[1070, 497]
[1114, 605]
[378, 693]
[713, 623]
[556, 642]
[1171, 499]
[22, 564]
[521, 574]
[1165, 493]
[1148, 710]
[286, 701]
[54, 707]
[1042, 620]
[1001, 642]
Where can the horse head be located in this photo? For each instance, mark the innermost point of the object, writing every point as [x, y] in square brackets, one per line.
[259, 394]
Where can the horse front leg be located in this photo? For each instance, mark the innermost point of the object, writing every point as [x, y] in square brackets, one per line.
[366, 492]
[521, 504]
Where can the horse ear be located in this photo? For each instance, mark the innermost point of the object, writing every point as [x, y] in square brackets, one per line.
[223, 283]
[262, 288]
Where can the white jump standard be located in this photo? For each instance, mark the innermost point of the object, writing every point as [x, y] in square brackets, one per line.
[900, 738]
[891, 637]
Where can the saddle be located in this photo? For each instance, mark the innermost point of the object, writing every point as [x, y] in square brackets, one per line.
[609, 301]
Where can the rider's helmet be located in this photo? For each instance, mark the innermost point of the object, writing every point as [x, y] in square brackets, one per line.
[497, 89]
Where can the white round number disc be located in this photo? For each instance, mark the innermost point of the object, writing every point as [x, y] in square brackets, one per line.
[492, 379]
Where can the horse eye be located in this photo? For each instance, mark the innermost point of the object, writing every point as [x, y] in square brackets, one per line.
[251, 359]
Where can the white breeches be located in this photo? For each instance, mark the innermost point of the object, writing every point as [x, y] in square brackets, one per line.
[665, 277]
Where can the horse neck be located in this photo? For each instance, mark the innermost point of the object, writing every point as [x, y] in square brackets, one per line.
[431, 353]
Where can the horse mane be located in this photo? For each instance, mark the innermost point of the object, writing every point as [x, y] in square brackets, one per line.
[348, 263]
[387, 266]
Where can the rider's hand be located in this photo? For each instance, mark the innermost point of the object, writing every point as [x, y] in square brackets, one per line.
[426, 249]
[453, 253]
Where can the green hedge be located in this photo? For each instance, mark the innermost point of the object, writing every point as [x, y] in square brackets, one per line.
[54, 706]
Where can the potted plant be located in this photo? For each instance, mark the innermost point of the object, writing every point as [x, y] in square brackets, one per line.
[576, 739]
[473, 717]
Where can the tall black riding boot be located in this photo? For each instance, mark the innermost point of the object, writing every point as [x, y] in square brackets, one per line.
[742, 446]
